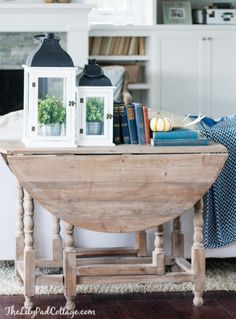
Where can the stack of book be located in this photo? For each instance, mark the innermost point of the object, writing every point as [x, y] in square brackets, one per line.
[178, 137]
[117, 46]
[130, 123]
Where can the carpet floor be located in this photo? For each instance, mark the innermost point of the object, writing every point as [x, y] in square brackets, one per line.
[220, 275]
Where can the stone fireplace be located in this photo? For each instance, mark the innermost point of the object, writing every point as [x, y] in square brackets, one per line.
[19, 23]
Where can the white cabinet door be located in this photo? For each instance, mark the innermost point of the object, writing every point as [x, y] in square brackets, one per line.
[222, 61]
[181, 71]
[197, 72]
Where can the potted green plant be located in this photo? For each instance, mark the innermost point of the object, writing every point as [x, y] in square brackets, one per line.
[94, 115]
[51, 116]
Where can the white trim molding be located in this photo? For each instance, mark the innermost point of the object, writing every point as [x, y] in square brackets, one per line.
[41, 17]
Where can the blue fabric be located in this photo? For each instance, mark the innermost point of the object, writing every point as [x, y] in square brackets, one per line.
[220, 200]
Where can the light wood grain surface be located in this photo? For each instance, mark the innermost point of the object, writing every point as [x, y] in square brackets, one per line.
[17, 147]
[118, 192]
[115, 189]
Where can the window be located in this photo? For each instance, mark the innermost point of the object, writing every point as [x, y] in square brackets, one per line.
[107, 5]
[122, 11]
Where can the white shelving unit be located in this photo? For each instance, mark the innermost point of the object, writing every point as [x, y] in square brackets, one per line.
[138, 86]
[141, 90]
[120, 58]
[183, 66]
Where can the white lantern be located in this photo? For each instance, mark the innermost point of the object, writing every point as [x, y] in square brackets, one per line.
[94, 125]
[49, 96]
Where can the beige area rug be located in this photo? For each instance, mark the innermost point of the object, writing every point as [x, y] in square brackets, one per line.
[220, 275]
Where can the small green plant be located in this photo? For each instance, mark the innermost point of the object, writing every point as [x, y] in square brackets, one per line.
[94, 109]
[51, 111]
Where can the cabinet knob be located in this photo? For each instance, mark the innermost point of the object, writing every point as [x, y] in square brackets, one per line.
[206, 39]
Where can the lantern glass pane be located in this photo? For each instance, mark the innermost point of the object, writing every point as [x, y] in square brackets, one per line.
[95, 115]
[51, 113]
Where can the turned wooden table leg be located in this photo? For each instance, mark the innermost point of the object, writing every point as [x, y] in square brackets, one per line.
[56, 239]
[19, 229]
[29, 252]
[158, 255]
[141, 243]
[177, 239]
[177, 242]
[198, 255]
[69, 267]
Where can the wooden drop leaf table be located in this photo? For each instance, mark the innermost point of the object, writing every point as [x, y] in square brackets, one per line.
[127, 188]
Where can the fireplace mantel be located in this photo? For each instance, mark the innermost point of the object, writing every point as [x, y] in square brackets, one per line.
[42, 17]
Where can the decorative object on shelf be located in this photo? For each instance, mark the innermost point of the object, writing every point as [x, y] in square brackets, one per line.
[58, 1]
[49, 95]
[199, 16]
[95, 107]
[178, 121]
[177, 12]
[221, 16]
[160, 123]
[221, 5]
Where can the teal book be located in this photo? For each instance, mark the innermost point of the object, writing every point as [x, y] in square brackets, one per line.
[124, 124]
[180, 142]
[132, 124]
[180, 133]
[138, 110]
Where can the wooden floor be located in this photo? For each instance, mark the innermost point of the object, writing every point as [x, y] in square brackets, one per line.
[218, 305]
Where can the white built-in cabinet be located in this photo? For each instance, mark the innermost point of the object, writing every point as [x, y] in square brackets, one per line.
[179, 72]
[221, 58]
[197, 71]
[186, 69]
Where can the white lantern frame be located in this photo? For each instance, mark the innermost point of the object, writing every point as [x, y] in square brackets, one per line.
[31, 96]
[84, 139]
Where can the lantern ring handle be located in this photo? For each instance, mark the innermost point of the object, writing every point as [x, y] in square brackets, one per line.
[94, 76]
[37, 37]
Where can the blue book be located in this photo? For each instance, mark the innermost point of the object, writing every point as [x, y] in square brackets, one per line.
[124, 124]
[179, 142]
[138, 110]
[132, 124]
[180, 133]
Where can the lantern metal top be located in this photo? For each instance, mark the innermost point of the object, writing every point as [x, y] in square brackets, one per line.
[49, 53]
[92, 75]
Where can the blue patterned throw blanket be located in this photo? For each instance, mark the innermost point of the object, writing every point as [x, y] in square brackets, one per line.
[220, 200]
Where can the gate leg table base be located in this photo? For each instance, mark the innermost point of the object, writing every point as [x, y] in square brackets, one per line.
[26, 262]
[98, 272]
[122, 189]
